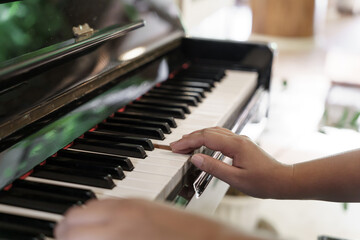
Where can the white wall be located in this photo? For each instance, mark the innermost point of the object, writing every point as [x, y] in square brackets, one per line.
[194, 11]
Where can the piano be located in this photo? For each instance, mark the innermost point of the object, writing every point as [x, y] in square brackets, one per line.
[92, 93]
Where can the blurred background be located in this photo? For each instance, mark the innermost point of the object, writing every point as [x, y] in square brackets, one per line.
[315, 100]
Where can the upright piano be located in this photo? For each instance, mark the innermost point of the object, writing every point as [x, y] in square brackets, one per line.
[91, 94]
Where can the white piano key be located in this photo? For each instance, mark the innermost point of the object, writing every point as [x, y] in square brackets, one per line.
[148, 177]
[165, 154]
[25, 212]
[101, 193]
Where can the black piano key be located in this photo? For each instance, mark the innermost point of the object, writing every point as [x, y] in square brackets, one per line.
[59, 192]
[35, 201]
[162, 103]
[157, 111]
[147, 117]
[136, 122]
[93, 162]
[204, 86]
[74, 176]
[113, 137]
[125, 129]
[8, 234]
[192, 101]
[124, 162]
[178, 93]
[47, 195]
[78, 193]
[122, 149]
[182, 89]
[116, 172]
[211, 82]
[27, 224]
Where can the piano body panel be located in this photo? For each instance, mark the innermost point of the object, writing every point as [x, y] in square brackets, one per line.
[232, 55]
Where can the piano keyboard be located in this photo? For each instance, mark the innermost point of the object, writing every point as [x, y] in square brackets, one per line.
[116, 159]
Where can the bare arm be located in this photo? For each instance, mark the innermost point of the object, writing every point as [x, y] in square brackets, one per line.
[334, 178]
[254, 172]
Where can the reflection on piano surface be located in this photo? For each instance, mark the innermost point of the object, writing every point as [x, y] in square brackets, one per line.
[92, 117]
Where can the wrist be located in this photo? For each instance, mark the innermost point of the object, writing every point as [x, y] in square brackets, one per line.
[285, 188]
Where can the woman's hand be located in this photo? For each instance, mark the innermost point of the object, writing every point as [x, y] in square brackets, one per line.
[253, 171]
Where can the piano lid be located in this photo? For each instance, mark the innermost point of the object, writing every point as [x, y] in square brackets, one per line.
[31, 25]
[32, 29]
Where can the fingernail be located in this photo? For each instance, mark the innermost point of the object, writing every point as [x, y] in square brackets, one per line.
[197, 160]
[173, 143]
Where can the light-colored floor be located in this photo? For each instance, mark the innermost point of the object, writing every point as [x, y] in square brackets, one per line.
[292, 131]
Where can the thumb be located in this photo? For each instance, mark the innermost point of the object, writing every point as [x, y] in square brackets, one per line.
[217, 168]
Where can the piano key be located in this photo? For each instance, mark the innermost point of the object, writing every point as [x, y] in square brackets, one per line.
[147, 177]
[157, 111]
[162, 103]
[102, 193]
[116, 172]
[147, 117]
[36, 201]
[30, 213]
[122, 149]
[124, 162]
[110, 136]
[74, 176]
[190, 78]
[182, 89]
[192, 101]
[205, 86]
[46, 195]
[26, 224]
[164, 126]
[129, 130]
[7, 234]
[196, 95]
[83, 195]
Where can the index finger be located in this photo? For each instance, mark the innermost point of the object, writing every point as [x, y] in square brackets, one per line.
[214, 138]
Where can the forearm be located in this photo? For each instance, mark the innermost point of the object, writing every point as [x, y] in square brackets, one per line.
[333, 178]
